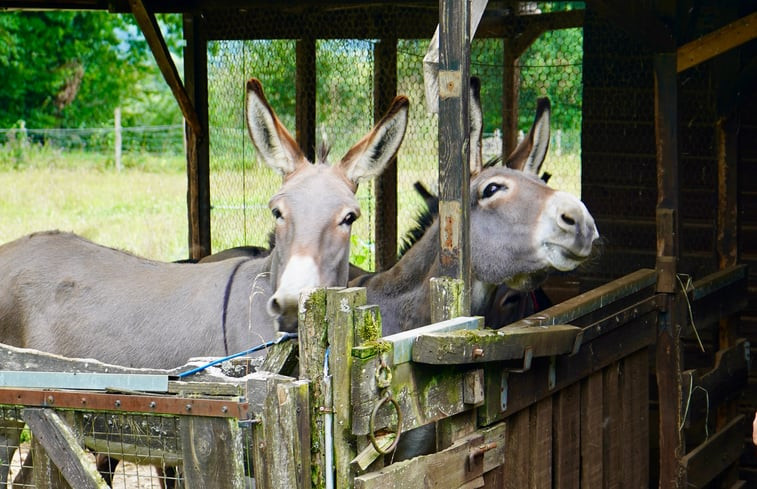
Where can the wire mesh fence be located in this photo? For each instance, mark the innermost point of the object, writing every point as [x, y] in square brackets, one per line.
[241, 186]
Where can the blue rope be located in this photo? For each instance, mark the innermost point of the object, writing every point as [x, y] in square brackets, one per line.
[282, 338]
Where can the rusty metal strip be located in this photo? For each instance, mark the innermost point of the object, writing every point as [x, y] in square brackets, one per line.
[126, 403]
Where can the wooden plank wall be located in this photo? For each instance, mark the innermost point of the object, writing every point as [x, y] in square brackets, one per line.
[748, 255]
[619, 179]
[591, 434]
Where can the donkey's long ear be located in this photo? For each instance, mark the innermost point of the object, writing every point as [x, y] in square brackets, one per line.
[275, 145]
[476, 127]
[530, 153]
[371, 154]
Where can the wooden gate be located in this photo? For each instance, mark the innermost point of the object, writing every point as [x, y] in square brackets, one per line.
[561, 399]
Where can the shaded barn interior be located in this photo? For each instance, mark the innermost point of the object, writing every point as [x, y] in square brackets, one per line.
[716, 142]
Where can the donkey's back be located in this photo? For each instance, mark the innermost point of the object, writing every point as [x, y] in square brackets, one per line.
[63, 294]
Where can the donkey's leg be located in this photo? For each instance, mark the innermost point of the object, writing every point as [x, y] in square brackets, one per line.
[106, 466]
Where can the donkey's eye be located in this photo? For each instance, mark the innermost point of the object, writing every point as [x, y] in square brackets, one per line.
[349, 219]
[276, 213]
[491, 189]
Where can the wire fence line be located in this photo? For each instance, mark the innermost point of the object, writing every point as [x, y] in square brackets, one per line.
[163, 139]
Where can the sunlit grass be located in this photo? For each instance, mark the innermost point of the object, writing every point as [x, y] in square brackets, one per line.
[140, 211]
[142, 208]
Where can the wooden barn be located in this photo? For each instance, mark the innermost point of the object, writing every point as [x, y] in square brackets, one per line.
[643, 377]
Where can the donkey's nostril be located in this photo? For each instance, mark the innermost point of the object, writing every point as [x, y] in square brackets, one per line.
[568, 220]
[274, 308]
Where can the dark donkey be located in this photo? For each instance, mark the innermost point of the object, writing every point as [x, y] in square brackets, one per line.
[521, 230]
[62, 294]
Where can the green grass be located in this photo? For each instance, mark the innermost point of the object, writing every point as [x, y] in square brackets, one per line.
[142, 209]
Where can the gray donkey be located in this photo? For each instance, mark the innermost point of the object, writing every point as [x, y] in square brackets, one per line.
[62, 294]
[521, 230]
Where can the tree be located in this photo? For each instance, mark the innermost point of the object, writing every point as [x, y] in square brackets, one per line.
[69, 69]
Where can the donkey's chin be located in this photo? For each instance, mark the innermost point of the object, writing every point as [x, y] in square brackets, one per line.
[526, 282]
[287, 322]
[563, 259]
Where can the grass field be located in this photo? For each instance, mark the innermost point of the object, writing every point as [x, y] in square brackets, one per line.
[142, 209]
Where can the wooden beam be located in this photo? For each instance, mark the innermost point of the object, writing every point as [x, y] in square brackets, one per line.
[151, 30]
[673, 315]
[465, 347]
[305, 96]
[198, 148]
[62, 448]
[710, 45]
[385, 217]
[454, 142]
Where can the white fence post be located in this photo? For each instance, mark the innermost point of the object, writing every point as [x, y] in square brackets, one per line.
[117, 143]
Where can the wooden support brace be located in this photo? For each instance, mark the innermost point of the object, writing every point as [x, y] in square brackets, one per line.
[477, 346]
[61, 447]
[717, 42]
[151, 30]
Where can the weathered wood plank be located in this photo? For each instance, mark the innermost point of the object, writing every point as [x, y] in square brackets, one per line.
[704, 391]
[567, 437]
[313, 342]
[541, 444]
[596, 299]
[212, 452]
[62, 448]
[45, 475]
[454, 143]
[612, 425]
[341, 305]
[448, 468]
[592, 439]
[713, 456]
[281, 358]
[460, 347]
[635, 429]
[281, 438]
[425, 395]
[402, 343]
[535, 384]
[446, 298]
[518, 450]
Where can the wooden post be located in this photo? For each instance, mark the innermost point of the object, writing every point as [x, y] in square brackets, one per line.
[281, 438]
[198, 150]
[384, 90]
[305, 96]
[340, 307]
[117, 137]
[671, 317]
[510, 87]
[212, 452]
[312, 340]
[454, 142]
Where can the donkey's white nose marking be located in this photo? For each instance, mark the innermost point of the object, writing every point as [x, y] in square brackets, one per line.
[301, 272]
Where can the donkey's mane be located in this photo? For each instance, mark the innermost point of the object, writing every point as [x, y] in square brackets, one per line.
[322, 153]
[425, 217]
